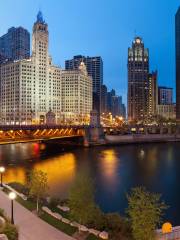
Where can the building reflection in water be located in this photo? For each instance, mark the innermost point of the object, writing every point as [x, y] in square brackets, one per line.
[109, 163]
[60, 170]
[17, 174]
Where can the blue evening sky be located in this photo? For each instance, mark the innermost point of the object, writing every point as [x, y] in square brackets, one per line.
[105, 28]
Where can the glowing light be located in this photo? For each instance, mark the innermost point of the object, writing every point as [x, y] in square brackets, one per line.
[42, 146]
[12, 195]
[2, 169]
[166, 228]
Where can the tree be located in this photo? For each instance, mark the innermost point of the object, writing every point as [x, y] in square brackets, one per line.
[81, 200]
[145, 211]
[38, 185]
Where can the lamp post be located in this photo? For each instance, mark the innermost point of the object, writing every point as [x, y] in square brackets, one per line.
[2, 170]
[12, 196]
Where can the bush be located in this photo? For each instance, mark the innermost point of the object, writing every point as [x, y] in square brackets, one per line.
[1, 212]
[54, 203]
[11, 232]
[20, 188]
[98, 219]
[118, 227]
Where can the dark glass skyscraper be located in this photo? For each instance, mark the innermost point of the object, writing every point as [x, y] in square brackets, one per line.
[177, 24]
[94, 67]
[103, 99]
[15, 44]
[138, 70]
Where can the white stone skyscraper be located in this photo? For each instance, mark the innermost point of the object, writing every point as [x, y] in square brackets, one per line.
[31, 88]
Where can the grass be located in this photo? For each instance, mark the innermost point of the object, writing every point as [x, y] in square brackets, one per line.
[92, 237]
[69, 230]
[58, 224]
[63, 214]
[27, 204]
[30, 205]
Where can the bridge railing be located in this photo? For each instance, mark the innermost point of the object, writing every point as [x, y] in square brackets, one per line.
[35, 127]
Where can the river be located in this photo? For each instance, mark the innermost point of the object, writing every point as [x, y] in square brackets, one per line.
[115, 170]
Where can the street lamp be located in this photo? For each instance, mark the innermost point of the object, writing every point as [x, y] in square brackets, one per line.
[2, 170]
[12, 196]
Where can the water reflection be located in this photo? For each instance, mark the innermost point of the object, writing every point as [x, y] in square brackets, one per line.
[115, 170]
[109, 162]
[15, 175]
[60, 171]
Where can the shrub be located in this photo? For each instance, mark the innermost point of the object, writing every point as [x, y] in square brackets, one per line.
[11, 232]
[54, 203]
[118, 227]
[1, 212]
[98, 220]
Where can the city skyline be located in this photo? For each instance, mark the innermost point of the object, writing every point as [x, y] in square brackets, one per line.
[67, 42]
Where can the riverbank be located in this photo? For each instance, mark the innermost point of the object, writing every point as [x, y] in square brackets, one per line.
[30, 226]
[110, 140]
[139, 138]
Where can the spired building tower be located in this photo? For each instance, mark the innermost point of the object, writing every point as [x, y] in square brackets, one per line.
[177, 24]
[31, 89]
[40, 58]
[138, 70]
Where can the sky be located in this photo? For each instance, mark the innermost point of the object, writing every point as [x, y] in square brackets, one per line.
[103, 28]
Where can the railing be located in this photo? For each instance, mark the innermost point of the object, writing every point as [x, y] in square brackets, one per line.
[35, 127]
[174, 235]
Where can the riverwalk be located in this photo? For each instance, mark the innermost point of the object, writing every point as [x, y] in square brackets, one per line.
[174, 235]
[141, 138]
[30, 226]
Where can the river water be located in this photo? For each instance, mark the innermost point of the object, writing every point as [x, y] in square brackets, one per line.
[115, 170]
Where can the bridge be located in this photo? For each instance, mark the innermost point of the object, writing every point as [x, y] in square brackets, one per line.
[39, 132]
[27, 133]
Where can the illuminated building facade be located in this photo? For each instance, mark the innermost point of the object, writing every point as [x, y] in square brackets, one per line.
[166, 111]
[138, 70]
[94, 67]
[76, 95]
[31, 88]
[153, 94]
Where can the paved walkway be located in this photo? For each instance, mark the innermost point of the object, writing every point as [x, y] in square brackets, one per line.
[30, 226]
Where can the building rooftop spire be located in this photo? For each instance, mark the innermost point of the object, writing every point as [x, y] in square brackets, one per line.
[40, 17]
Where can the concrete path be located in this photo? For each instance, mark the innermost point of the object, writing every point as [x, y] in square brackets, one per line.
[30, 226]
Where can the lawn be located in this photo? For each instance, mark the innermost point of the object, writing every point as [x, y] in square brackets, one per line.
[92, 237]
[58, 224]
[27, 204]
[63, 214]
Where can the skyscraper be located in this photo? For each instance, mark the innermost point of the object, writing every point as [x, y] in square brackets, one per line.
[110, 96]
[103, 99]
[15, 44]
[94, 67]
[138, 70]
[177, 26]
[34, 89]
[165, 96]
